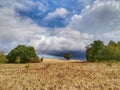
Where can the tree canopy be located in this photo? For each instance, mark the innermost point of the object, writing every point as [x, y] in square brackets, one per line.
[67, 56]
[97, 51]
[22, 54]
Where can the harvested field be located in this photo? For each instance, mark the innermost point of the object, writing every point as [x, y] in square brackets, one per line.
[60, 75]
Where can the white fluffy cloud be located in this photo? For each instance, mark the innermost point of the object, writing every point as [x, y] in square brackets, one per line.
[59, 12]
[23, 5]
[62, 39]
[15, 30]
[101, 20]
[101, 17]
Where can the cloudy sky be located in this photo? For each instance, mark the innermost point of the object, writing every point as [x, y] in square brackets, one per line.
[54, 27]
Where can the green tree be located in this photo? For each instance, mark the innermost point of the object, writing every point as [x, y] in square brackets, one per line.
[97, 51]
[22, 54]
[112, 43]
[67, 56]
[113, 51]
[94, 52]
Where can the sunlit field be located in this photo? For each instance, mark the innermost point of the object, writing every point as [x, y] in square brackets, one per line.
[60, 75]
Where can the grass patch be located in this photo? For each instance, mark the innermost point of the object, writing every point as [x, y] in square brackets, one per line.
[60, 76]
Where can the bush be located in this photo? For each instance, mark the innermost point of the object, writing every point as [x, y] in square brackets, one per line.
[35, 60]
[3, 58]
[68, 56]
[22, 54]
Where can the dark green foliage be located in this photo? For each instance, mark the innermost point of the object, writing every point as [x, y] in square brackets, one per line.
[94, 51]
[97, 51]
[112, 44]
[22, 54]
[68, 56]
[3, 58]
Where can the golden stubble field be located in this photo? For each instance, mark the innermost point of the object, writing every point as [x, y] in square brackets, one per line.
[60, 75]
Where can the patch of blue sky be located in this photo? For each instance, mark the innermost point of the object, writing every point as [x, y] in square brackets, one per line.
[38, 16]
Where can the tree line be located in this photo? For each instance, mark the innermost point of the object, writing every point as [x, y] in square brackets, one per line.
[98, 51]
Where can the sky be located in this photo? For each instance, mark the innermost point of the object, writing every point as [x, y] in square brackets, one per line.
[54, 27]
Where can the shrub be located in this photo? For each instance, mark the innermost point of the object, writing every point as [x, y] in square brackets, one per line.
[68, 56]
[35, 60]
